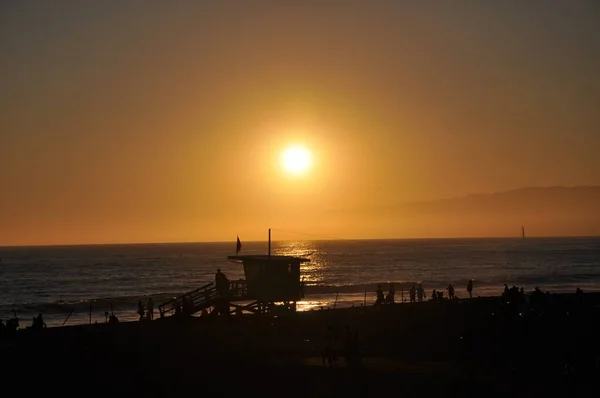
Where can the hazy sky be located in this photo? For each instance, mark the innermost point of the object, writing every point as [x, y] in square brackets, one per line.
[135, 121]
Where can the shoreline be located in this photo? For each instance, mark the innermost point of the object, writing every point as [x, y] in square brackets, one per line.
[472, 346]
[347, 298]
[593, 298]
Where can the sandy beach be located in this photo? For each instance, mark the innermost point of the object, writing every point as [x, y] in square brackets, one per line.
[476, 347]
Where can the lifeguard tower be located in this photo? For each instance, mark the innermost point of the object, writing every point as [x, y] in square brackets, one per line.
[272, 284]
[272, 281]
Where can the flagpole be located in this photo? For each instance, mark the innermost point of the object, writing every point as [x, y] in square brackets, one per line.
[269, 243]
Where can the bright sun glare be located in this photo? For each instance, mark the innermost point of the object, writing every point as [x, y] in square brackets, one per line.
[296, 159]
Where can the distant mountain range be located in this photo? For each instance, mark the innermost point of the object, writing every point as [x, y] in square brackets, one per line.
[523, 199]
[545, 211]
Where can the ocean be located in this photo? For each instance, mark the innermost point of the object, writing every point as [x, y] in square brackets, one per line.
[79, 284]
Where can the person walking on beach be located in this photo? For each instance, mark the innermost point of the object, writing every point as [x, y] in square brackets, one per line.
[150, 311]
[470, 288]
[451, 292]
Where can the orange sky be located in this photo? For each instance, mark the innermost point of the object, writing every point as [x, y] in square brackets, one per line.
[156, 121]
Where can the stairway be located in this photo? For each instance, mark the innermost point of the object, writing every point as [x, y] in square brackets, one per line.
[191, 302]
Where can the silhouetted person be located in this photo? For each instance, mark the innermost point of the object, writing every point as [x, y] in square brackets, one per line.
[150, 309]
[470, 288]
[391, 294]
[451, 292]
[412, 293]
[140, 310]
[177, 306]
[218, 278]
[380, 296]
[221, 283]
[420, 292]
[434, 295]
[38, 322]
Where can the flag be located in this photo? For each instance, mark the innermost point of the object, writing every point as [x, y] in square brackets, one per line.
[238, 246]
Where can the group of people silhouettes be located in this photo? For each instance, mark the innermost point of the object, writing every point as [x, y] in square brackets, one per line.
[146, 312]
[12, 325]
[382, 299]
[416, 293]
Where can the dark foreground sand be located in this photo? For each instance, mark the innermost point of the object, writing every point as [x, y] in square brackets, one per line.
[467, 348]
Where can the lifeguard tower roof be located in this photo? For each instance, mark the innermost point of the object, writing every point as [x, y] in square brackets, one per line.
[266, 257]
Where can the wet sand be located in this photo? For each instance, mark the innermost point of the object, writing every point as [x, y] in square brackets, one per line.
[450, 348]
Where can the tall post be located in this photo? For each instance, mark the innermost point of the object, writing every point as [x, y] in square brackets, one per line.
[335, 302]
[68, 316]
[269, 243]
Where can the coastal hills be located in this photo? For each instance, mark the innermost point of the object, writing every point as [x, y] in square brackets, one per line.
[543, 211]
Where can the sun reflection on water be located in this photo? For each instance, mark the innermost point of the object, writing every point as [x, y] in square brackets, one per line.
[312, 272]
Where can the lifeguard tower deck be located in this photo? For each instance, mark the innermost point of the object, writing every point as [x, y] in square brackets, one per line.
[272, 284]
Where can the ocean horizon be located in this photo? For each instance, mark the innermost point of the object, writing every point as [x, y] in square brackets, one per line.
[232, 241]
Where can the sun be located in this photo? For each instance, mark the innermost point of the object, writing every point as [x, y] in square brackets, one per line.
[296, 159]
